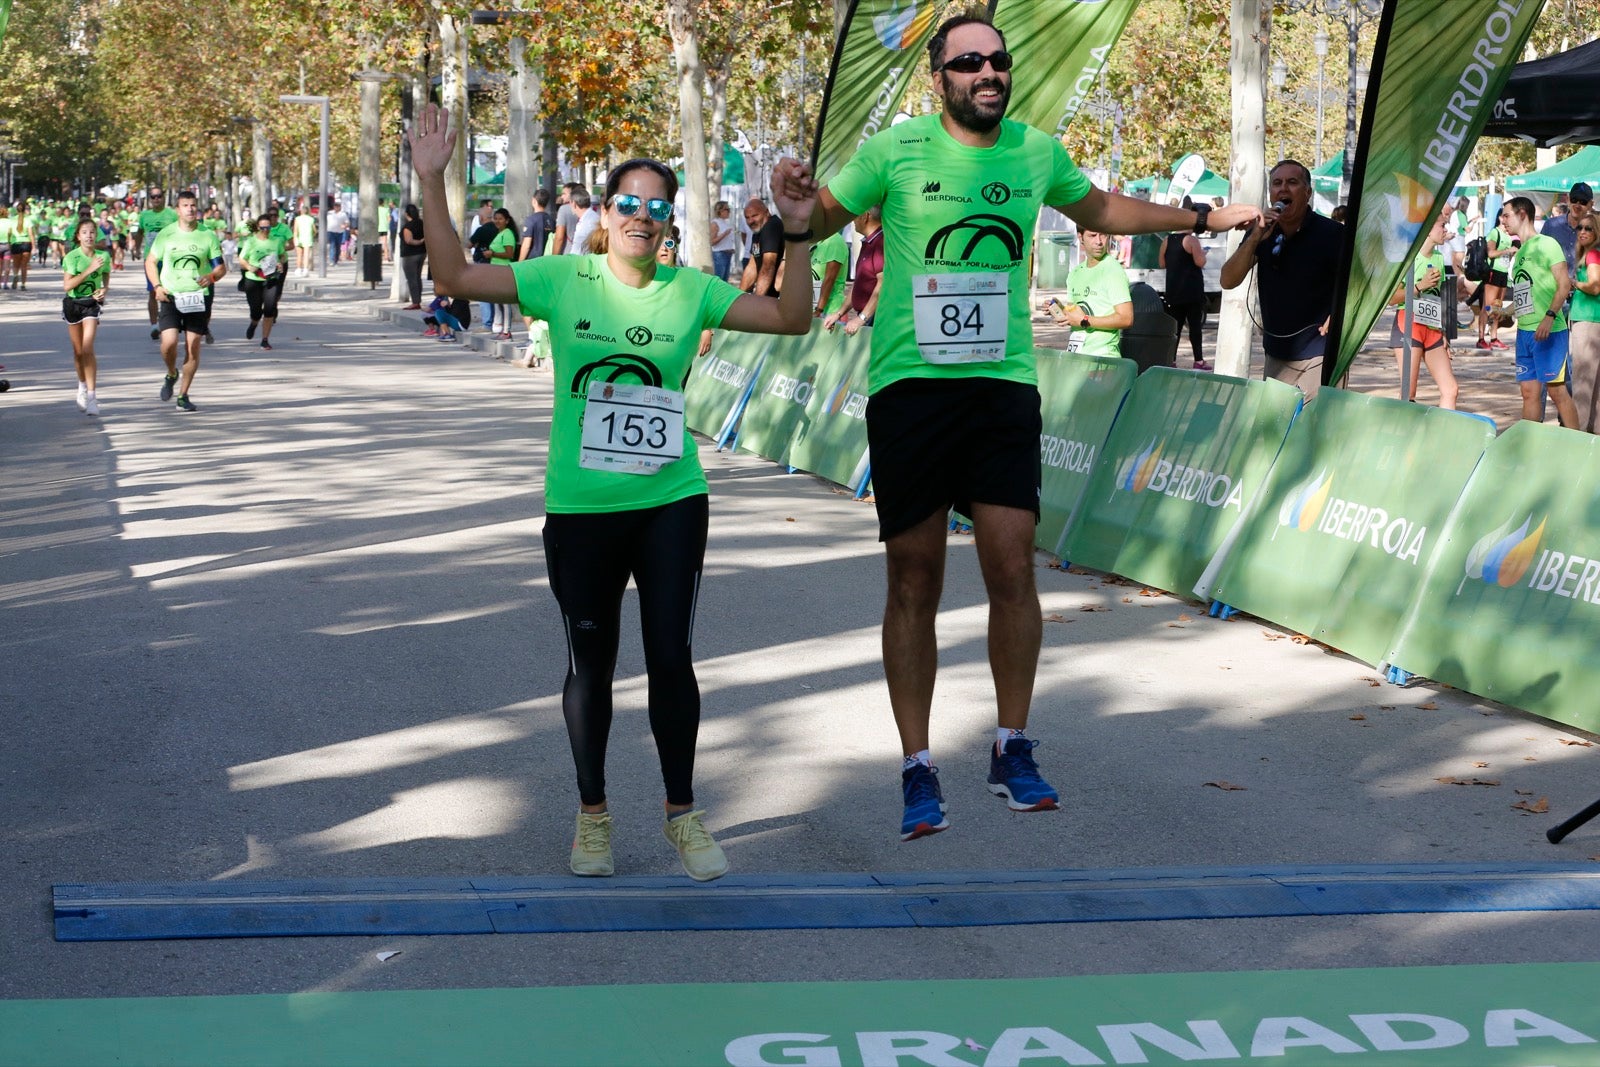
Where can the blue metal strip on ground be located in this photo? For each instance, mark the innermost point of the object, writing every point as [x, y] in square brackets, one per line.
[816, 901]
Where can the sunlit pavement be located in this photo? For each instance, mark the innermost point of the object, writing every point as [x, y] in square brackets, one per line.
[303, 633]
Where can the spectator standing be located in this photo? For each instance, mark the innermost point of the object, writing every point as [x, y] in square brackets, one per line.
[481, 235]
[1562, 226]
[337, 227]
[413, 250]
[536, 227]
[725, 240]
[1540, 286]
[503, 250]
[766, 249]
[1294, 253]
[1184, 259]
[868, 283]
[1586, 327]
[830, 260]
[1501, 247]
[588, 213]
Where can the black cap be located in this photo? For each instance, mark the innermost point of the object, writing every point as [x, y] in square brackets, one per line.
[1582, 193]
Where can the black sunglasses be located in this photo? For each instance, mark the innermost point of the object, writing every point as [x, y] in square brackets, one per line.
[972, 62]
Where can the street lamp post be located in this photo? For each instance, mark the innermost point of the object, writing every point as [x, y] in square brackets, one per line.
[1354, 14]
[322, 163]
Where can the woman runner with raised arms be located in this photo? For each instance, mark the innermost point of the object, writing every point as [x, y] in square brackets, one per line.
[624, 490]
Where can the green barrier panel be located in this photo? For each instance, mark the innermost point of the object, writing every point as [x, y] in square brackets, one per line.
[1080, 396]
[783, 388]
[718, 381]
[1350, 517]
[1185, 459]
[831, 440]
[1510, 608]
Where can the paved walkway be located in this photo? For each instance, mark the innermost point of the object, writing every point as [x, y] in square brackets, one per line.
[303, 634]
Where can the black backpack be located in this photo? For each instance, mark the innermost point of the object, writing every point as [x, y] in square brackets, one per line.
[1475, 265]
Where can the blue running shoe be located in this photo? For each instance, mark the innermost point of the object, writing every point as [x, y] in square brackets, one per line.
[924, 803]
[1014, 775]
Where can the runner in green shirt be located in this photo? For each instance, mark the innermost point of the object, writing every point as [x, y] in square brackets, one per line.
[25, 237]
[181, 267]
[954, 417]
[152, 220]
[261, 257]
[624, 490]
[1430, 304]
[1099, 305]
[1540, 285]
[830, 261]
[5, 247]
[85, 276]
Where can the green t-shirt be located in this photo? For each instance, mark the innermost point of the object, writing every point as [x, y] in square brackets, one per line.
[5, 232]
[123, 220]
[1533, 285]
[185, 256]
[1586, 308]
[76, 262]
[305, 231]
[504, 241]
[1420, 267]
[603, 330]
[952, 210]
[256, 248]
[153, 222]
[282, 232]
[832, 249]
[1098, 289]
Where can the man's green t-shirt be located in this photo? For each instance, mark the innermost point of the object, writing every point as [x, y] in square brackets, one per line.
[255, 249]
[604, 331]
[1533, 284]
[1098, 289]
[152, 223]
[832, 249]
[185, 256]
[305, 231]
[949, 211]
[76, 262]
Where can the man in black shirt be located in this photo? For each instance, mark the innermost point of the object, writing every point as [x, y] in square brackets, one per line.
[1295, 253]
[766, 250]
[536, 226]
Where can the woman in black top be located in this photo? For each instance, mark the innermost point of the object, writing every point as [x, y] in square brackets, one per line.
[412, 250]
[1183, 257]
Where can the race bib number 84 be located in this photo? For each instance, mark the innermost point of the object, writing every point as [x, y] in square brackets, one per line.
[960, 318]
[631, 428]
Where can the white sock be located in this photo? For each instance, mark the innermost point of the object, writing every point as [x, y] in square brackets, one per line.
[83, 390]
[923, 757]
[1003, 734]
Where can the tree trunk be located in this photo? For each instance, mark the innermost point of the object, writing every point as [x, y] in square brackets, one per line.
[691, 105]
[371, 226]
[1248, 175]
[453, 96]
[260, 169]
[524, 131]
[717, 82]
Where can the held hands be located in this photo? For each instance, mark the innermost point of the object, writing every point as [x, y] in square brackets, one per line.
[432, 142]
[794, 191]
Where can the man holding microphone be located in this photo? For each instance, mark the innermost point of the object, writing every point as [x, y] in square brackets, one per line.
[1296, 252]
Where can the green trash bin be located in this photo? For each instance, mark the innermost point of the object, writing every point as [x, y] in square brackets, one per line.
[1053, 255]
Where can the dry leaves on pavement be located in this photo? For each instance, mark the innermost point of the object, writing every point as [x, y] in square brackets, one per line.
[1538, 807]
[1094, 607]
[1468, 781]
[1575, 741]
[1225, 786]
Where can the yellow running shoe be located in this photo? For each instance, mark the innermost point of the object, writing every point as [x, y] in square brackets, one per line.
[591, 846]
[701, 855]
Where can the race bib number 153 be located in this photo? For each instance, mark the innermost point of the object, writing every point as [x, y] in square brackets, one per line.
[631, 428]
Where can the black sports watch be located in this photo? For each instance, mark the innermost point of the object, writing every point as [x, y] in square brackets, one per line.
[1200, 213]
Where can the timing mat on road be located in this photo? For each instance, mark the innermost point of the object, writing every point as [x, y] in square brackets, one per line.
[131, 912]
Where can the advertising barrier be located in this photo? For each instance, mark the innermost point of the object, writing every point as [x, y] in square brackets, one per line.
[1185, 459]
[1510, 607]
[719, 382]
[1080, 396]
[1350, 517]
[783, 389]
[831, 439]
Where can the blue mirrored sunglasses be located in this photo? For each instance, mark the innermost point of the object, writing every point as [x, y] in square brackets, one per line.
[628, 205]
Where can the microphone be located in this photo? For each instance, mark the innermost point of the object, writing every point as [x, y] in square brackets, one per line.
[1280, 207]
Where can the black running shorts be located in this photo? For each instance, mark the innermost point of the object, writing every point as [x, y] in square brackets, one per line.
[938, 442]
[168, 317]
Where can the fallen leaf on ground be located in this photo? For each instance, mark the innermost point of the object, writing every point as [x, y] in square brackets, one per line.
[1358, 718]
[1056, 618]
[1151, 592]
[1226, 786]
[1385, 707]
[1184, 616]
[1575, 741]
[1429, 706]
[1115, 579]
[1480, 763]
[1094, 607]
[1373, 682]
[1468, 781]
[1175, 626]
[1127, 600]
[1220, 668]
[1270, 636]
[1538, 807]
[1530, 759]
[1300, 639]
[788, 520]
[1076, 570]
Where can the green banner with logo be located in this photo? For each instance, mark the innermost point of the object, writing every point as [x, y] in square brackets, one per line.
[1184, 462]
[1350, 518]
[783, 389]
[719, 380]
[1437, 71]
[5, 17]
[831, 440]
[878, 48]
[1080, 396]
[1060, 48]
[1510, 609]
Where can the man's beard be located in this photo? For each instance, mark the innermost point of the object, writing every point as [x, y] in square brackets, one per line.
[962, 106]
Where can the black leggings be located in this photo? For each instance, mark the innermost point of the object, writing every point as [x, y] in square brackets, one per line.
[590, 558]
[412, 267]
[263, 297]
[1192, 313]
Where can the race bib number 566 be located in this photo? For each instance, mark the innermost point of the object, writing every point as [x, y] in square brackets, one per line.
[960, 318]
